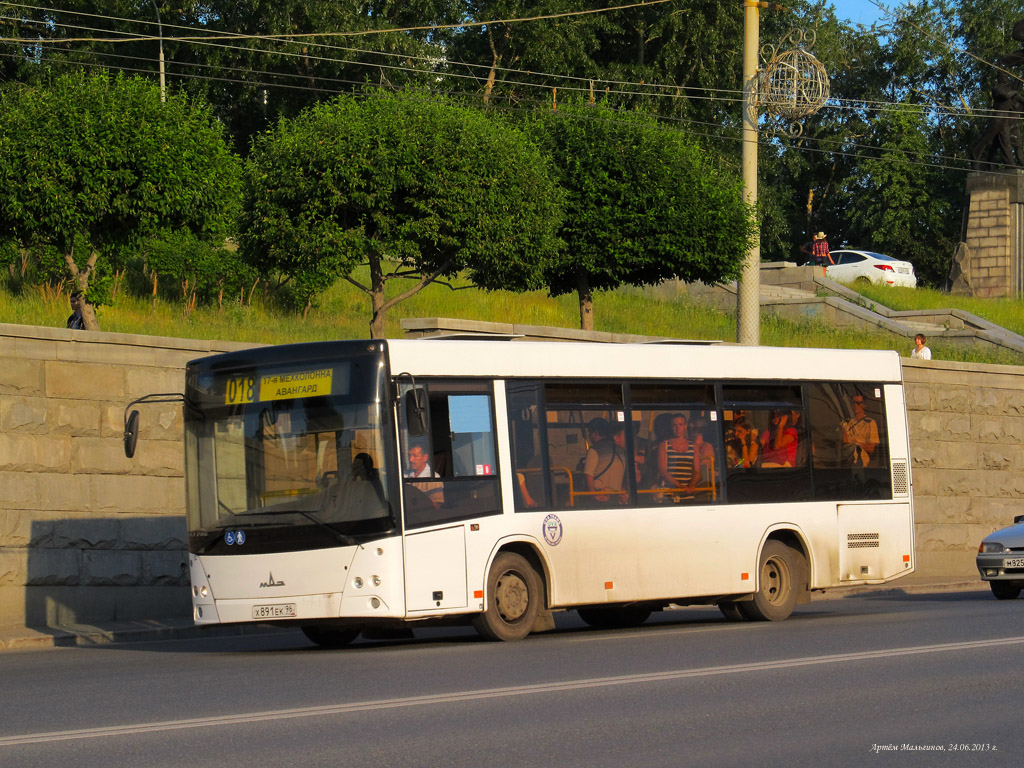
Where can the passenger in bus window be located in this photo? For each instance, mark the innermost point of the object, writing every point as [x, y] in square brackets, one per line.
[362, 467]
[796, 422]
[524, 492]
[605, 465]
[703, 449]
[779, 442]
[746, 434]
[734, 452]
[860, 434]
[639, 452]
[676, 461]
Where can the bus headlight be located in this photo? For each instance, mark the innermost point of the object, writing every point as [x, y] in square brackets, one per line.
[376, 581]
[358, 582]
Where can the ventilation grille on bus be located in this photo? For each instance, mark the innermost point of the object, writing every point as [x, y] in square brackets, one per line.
[900, 478]
[861, 540]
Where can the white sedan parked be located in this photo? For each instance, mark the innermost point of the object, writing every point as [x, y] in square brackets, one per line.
[877, 268]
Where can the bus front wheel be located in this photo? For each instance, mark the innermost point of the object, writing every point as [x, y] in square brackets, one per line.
[780, 576]
[515, 595]
[330, 637]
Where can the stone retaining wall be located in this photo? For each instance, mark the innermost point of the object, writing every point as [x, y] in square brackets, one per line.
[967, 446]
[87, 535]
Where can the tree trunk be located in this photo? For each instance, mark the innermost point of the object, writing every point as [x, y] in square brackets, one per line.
[89, 316]
[378, 316]
[489, 85]
[81, 277]
[810, 212]
[586, 303]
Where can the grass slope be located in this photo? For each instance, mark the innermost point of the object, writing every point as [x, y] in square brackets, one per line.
[343, 313]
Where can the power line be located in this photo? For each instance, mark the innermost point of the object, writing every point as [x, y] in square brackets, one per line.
[364, 32]
[838, 104]
[730, 95]
[953, 48]
[448, 63]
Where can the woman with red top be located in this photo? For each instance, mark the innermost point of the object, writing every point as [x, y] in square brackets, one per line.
[778, 442]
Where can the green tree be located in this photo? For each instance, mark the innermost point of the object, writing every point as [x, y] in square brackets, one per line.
[411, 186]
[643, 205]
[90, 165]
[276, 64]
[893, 207]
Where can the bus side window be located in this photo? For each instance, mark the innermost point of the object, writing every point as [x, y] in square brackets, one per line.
[848, 441]
[532, 487]
[587, 466]
[766, 443]
[451, 472]
[678, 443]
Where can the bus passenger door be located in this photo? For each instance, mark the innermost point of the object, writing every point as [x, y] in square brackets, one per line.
[435, 569]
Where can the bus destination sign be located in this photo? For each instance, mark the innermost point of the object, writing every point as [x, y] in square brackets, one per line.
[278, 386]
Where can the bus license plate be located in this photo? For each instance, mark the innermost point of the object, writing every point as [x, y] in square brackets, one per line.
[1013, 562]
[273, 611]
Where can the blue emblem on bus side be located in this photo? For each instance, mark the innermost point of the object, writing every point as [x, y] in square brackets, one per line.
[240, 538]
[552, 530]
[229, 537]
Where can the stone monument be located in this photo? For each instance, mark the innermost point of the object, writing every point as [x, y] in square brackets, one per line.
[990, 260]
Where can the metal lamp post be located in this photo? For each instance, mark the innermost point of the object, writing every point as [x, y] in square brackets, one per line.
[793, 84]
[748, 293]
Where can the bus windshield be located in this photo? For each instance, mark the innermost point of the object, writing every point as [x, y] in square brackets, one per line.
[263, 462]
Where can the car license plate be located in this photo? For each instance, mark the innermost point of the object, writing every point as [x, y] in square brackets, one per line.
[1013, 562]
[281, 611]
[903, 271]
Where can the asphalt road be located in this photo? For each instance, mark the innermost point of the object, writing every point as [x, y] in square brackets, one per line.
[844, 682]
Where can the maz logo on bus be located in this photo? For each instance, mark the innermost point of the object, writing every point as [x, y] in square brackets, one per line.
[271, 583]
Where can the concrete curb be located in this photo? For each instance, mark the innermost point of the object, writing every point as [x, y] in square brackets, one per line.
[14, 638]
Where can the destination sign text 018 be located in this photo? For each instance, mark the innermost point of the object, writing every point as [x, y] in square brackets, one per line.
[278, 386]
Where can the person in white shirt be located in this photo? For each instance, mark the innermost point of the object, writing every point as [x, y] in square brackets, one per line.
[419, 468]
[419, 463]
[921, 352]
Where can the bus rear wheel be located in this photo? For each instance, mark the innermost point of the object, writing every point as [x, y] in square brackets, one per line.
[514, 596]
[780, 576]
[731, 610]
[330, 637]
[615, 618]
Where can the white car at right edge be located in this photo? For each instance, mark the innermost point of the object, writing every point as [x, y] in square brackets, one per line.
[868, 266]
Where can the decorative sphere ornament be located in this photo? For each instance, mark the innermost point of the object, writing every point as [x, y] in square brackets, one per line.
[793, 84]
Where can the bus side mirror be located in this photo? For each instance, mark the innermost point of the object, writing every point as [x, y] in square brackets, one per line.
[131, 433]
[416, 412]
[131, 418]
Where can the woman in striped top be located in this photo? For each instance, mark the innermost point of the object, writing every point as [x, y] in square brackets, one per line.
[676, 459]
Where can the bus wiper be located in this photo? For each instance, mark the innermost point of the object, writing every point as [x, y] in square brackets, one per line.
[338, 535]
[341, 537]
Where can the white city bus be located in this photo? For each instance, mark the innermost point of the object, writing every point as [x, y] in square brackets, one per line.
[365, 485]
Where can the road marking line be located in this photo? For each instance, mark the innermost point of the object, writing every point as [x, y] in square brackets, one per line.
[493, 693]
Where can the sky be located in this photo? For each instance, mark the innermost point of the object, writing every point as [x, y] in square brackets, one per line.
[863, 11]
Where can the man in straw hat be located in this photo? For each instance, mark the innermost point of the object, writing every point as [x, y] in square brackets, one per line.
[817, 249]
